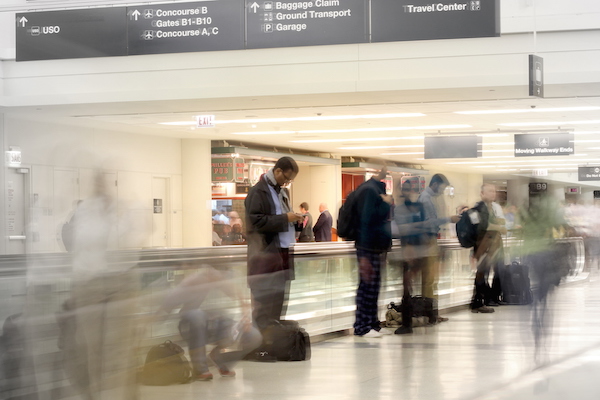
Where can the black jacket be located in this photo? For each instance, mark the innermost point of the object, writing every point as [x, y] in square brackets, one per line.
[322, 228]
[374, 228]
[263, 227]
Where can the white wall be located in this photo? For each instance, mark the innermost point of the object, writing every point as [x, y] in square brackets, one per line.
[52, 150]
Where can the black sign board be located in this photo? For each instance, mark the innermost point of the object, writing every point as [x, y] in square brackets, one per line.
[538, 187]
[288, 23]
[185, 27]
[90, 32]
[398, 20]
[452, 146]
[589, 173]
[596, 194]
[536, 76]
[546, 144]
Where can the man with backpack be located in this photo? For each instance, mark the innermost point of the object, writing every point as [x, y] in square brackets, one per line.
[372, 208]
[488, 248]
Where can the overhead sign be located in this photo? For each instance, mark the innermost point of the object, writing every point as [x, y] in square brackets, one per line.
[536, 76]
[245, 24]
[452, 146]
[538, 187]
[398, 20]
[288, 23]
[90, 32]
[185, 27]
[546, 144]
[589, 173]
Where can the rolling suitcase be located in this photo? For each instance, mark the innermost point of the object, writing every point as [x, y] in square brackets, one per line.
[516, 287]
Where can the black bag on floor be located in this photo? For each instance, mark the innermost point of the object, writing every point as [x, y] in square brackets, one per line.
[283, 341]
[516, 287]
[166, 364]
[12, 353]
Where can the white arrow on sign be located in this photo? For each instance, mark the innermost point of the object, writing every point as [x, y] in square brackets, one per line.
[254, 6]
[22, 21]
[135, 14]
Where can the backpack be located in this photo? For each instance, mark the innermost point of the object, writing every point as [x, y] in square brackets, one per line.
[166, 364]
[466, 228]
[347, 223]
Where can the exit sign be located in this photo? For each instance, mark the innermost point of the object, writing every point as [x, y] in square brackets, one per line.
[205, 121]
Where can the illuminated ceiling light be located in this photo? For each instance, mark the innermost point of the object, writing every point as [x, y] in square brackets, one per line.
[499, 151]
[492, 134]
[380, 147]
[179, 123]
[395, 128]
[527, 110]
[320, 118]
[551, 123]
[586, 141]
[291, 119]
[403, 154]
[500, 144]
[265, 133]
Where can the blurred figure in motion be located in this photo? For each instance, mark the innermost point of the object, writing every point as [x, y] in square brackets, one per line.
[373, 240]
[205, 322]
[271, 236]
[487, 250]
[435, 219]
[548, 266]
[234, 219]
[322, 228]
[409, 216]
[98, 327]
[306, 225]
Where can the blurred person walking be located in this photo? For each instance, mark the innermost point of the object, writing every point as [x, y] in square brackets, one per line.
[271, 236]
[548, 262]
[434, 218]
[322, 228]
[373, 240]
[202, 325]
[409, 217]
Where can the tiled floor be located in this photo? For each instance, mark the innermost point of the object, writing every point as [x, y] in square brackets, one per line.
[473, 356]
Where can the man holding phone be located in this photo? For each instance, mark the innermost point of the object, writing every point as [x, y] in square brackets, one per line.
[271, 237]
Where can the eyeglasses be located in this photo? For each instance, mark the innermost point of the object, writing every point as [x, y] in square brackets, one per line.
[287, 179]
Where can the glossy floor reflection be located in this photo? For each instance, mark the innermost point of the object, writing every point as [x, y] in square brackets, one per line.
[473, 356]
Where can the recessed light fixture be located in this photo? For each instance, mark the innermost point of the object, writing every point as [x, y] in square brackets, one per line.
[551, 123]
[380, 147]
[527, 110]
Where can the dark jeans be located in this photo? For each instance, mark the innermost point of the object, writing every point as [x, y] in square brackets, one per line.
[269, 295]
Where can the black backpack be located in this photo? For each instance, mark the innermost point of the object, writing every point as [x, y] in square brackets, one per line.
[166, 364]
[466, 228]
[347, 223]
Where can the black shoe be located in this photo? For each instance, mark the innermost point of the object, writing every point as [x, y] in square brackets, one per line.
[492, 303]
[403, 330]
[483, 309]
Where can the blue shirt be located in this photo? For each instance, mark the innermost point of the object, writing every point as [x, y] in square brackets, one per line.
[286, 239]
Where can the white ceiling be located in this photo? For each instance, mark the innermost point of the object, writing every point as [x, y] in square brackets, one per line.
[497, 157]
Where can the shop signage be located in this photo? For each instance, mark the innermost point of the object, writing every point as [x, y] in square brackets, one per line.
[546, 144]
[245, 24]
[242, 188]
[452, 146]
[288, 23]
[589, 173]
[13, 158]
[398, 20]
[227, 169]
[89, 32]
